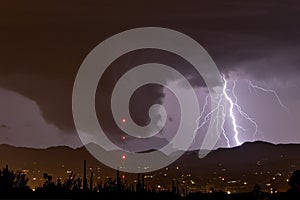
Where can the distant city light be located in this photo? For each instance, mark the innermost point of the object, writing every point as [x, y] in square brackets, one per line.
[231, 181]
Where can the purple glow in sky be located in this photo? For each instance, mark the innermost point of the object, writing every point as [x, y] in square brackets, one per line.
[44, 44]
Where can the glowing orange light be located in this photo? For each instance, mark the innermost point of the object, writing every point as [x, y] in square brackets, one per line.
[123, 177]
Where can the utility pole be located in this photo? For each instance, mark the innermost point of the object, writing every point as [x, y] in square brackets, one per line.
[84, 176]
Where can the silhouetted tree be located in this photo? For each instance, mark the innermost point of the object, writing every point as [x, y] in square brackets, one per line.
[256, 189]
[48, 184]
[294, 181]
[256, 192]
[10, 180]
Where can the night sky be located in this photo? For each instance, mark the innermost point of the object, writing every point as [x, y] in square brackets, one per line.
[43, 44]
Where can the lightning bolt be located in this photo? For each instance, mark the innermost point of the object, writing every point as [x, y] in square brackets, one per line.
[233, 111]
[219, 122]
[242, 113]
[251, 85]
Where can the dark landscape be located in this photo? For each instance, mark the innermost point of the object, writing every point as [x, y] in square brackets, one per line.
[98, 98]
[265, 165]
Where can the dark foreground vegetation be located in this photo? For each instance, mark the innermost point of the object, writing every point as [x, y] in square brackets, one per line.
[13, 185]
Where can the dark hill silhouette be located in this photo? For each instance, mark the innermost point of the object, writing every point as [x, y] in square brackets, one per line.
[254, 162]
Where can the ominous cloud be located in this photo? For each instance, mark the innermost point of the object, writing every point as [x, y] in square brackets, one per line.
[43, 43]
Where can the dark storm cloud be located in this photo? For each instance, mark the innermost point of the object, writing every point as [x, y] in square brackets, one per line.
[44, 42]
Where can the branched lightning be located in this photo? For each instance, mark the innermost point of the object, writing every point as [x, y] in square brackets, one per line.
[251, 85]
[242, 113]
[232, 111]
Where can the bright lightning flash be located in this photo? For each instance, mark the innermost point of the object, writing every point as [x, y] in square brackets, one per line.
[231, 113]
[251, 85]
[235, 111]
